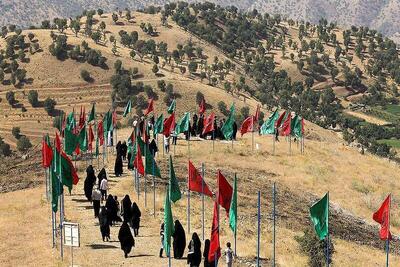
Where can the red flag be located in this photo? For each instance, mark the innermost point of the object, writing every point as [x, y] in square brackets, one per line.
[257, 115]
[382, 216]
[114, 118]
[209, 124]
[247, 125]
[47, 153]
[196, 182]
[169, 125]
[145, 133]
[138, 163]
[100, 133]
[150, 107]
[215, 247]
[77, 150]
[280, 119]
[225, 192]
[82, 118]
[90, 137]
[57, 142]
[202, 106]
[286, 129]
[302, 126]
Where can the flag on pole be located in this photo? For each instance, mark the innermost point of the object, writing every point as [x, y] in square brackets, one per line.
[100, 132]
[227, 128]
[382, 216]
[296, 127]
[169, 125]
[202, 106]
[286, 126]
[158, 125]
[281, 119]
[83, 139]
[174, 190]
[47, 152]
[65, 168]
[196, 182]
[57, 142]
[225, 192]
[168, 223]
[208, 124]
[247, 125]
[215, 247]
[172, 107]
[90, 138]
[97, 147]
[71, 141]
[257, 114]
[92, 114]
[127, 109]
[151, 166]
[268, 126]
[70, 122]
[138, 163]
[233, 208]
[56, 186]
[82, 117]
[183, 124]
[319, 212]
[114, 118]
[150, 107]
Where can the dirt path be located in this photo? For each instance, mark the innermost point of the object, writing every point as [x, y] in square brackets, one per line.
[367, 117]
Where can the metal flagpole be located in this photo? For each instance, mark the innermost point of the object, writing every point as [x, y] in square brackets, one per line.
[145, 176]
[252, 137]
[273, 141]
[154, 189]
[327, 238]
[235, 232]
[47, 183]
[61, 209]
[274, 222]
[213, 139]
[387, 240]
[53, 223]
[188, 204]
[202, 199]
[258, 228]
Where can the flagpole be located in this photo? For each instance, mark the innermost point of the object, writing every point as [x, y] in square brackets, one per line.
[327, 236]
[61, 206]
[258, 228]
[252, 136]
[202, 199]
[273, 141]
[213, 139]
[154, 190]
[388, 232]
[290, 144]
[145, 176]
[47, 183]
[235, 232]
[274, 223]
[188, 204]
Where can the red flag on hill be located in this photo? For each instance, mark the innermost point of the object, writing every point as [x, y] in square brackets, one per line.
[169, 125]
[247, 125]
[100, 132]
[138, 163]
[280, 120]
[202, 106]
[286, 129]
[57, 142]
[225, 192]
[82, 118]
[114, 118]
[382, 216]
[196, 182]
[215, 247]
[47, 152]
[150, 107]
[257, 115]
[90, 138]
[209, 124]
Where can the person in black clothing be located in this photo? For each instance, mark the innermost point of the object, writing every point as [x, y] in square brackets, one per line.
[89, 182]
[194, 255]
[153, 147]
[104, 224]
[179, 242]
[205, 254]
[126, 239]
[162, 239]
[126, 206]
[118, 160]
[194, 126]
[200, 126]
[124, 150]
[102, 174]
[130, 167]
[234, 129]
[136, 214]
[112, 210]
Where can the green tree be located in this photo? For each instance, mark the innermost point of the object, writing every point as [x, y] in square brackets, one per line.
[10, 96]
[193, 67]
[23, 144]
[96, 36]
[33, 98]
[16, 132]
[115, 18]
[49, 105]
[100, 12]
[155, 69]
[85, 75]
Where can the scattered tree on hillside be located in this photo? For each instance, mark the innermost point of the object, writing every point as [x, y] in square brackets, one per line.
[16, 132]
[49, 105]
[33, 98]
[23, 144]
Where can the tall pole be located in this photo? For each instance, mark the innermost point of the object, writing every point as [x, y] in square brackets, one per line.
[154, 189]
[258, 228]
[387, 238]
[213, 139]
[61, 209]
[188, 203]
[274, 223]
[235, 232]
[202, 199]
[290, 144]
[273, 141]
[327, 238]
[252, 137]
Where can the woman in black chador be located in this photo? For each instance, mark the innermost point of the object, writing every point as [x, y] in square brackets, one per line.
[125, 238]
[124, 150]
[104, 224]
[179, 242]
[126, 205]
[194, 255]
[102, 174]
[205, 254]
[89, 182]
[135, 218]
[112, 210]
[118, 160]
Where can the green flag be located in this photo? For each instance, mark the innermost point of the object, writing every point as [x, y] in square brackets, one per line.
[56, 186]
[65, 169]
[128, 108]
[83, 139]
[71, 123]
[233, 208]
[268, 126]
[71, 141]
[174, 191]
[97, 146]
[142, 146]
[172, 107]
[107, 123]
[320, 216]
[183, 124]
[227, 128]
[159, 125]
[168, 223]
[296, 127]
[92, 114]
[151, 166]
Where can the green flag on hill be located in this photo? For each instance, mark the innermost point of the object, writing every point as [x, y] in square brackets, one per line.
[71, 123]
[128, 109]
[172, 107]
[56, 186]
[174, 190]
[268, 126]
[319, 212]
[168, 223]
[92, 114]
[297, 127]
[233, 208]
[83, 139]
[71, 141]
[183, 124]
[227, 128]
[151, 166]
[159, 125]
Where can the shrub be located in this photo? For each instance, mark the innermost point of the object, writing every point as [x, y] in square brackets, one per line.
[23, 144]
[222, 108]
[10, 96]
[16, 132]
[33, 98]
[85, 75]
[4, 148]
[49, 105]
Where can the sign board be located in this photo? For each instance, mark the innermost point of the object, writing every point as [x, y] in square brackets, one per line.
[71, 234]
